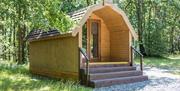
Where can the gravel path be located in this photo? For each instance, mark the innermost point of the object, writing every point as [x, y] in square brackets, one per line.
[159, 80]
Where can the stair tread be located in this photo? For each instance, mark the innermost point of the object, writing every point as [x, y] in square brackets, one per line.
[116, 81]
[119, 78]
[102, 68]
[110, 69]
[114, 74]
[120, 72]
[107, 65]
[95, 63]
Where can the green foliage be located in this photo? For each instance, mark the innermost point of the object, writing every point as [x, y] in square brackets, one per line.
[47, 14]
[17, 78]
[160, 22]
[19, 17]
[67, 6]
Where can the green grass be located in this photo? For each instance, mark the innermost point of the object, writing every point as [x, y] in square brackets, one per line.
[18, 78]
[172, 63]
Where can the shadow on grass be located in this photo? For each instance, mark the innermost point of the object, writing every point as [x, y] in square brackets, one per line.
[18, 78]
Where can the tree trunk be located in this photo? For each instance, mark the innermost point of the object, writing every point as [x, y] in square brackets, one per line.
[4, 46]
[140, 25]
[20, 38]
[179, 43]
[172, 40]
[95, 1]
[14, 41]
[88, 2]
[149, 27]
[23, 43]
[20, 58]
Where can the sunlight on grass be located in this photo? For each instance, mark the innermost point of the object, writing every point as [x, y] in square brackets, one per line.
[174, 57]
[17, 78]
[172, 63]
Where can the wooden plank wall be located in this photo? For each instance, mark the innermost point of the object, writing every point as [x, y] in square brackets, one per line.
[119, 45]
[55, 57]
[105, 39]
[120, 37]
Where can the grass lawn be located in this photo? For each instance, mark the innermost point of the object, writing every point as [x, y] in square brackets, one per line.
[172, 63]
[18, 78]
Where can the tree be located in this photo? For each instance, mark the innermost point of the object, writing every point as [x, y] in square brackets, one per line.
[19, 17]
[157, 24]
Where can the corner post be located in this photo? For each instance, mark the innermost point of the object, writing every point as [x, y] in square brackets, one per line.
[131, 63]
[141, 63]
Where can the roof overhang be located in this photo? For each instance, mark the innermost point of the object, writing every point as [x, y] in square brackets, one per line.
[96, 7]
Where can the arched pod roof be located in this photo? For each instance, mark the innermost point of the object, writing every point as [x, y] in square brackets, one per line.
[109, 12]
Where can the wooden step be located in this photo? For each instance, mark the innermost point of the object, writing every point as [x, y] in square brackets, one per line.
[117, 81]
[97, 76]
[111, 69]
[109, 64]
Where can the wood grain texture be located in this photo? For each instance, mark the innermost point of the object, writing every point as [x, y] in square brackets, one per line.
[120, 45]
[55, 55]
[55, 74]
[111, 14]
[115, 38]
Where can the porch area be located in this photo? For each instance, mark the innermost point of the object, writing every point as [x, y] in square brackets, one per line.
[102, 74]
[105, 37]
[106, 56]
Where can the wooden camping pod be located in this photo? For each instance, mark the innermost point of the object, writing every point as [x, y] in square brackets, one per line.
[58, 56]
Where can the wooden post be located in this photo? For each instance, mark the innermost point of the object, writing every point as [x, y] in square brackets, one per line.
[87, 72]
[131, 63]
[141, 63]
[88, 38]
[79, 67]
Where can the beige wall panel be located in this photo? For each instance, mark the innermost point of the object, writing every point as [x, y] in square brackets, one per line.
[119, 44]
[55, 57]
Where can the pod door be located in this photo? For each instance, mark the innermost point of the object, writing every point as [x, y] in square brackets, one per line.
[95, 40]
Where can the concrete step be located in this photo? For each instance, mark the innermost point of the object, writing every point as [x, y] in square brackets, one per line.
[98, 76]
[117, 81]
[111, 69]
[96, 65]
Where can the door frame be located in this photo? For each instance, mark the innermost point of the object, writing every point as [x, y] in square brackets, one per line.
[89, 22]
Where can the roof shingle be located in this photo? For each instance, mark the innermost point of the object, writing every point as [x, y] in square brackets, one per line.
[36, 34]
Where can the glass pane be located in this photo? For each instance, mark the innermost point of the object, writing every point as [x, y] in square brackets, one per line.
[94, 39]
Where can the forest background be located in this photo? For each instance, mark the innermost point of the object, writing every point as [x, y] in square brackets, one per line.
[157, 23]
